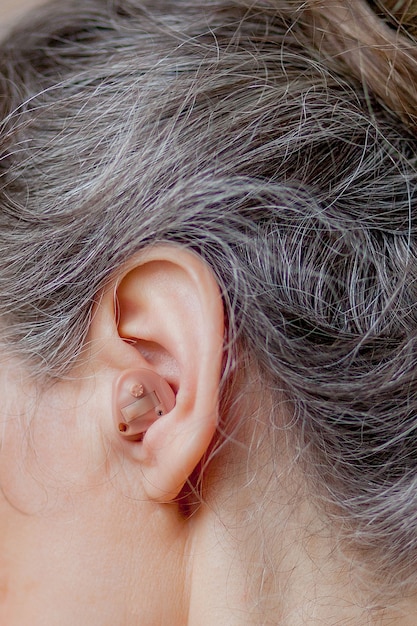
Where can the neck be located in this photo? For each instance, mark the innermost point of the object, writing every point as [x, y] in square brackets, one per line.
[65, 568]
[50, 575]
[277, 563]
[228, 565]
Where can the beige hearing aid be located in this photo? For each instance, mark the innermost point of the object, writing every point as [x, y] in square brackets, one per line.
[139, 398]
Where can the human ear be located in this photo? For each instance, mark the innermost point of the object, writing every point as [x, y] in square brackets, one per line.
[170, 322]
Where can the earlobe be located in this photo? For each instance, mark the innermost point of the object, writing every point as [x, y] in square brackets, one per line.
[168, 351]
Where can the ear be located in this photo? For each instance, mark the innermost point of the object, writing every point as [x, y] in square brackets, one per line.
[169, 319]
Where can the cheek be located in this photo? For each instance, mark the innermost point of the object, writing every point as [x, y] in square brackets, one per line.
[50, 454]
[59, 453]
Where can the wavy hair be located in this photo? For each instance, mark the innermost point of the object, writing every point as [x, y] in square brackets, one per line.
[276, 139]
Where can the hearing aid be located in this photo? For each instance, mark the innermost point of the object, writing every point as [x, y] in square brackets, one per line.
[140, 397]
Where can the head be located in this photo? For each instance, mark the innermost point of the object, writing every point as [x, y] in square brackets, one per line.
[222, 195]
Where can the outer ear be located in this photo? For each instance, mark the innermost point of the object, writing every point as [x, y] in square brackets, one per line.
[170, 320]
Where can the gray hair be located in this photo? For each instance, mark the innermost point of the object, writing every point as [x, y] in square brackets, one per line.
[227, 130]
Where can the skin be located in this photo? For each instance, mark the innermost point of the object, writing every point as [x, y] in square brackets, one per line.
[11, 10]
[90, 528]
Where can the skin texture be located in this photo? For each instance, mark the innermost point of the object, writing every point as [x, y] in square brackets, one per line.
[10, 11]
[98, 529]
[90, 528]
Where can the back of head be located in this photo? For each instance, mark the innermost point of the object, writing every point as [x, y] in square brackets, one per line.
[276, 140]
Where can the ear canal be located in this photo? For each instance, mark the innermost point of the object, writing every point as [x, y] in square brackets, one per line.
[140, 397]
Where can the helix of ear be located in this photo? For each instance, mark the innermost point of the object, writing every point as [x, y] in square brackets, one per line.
[140, 397]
